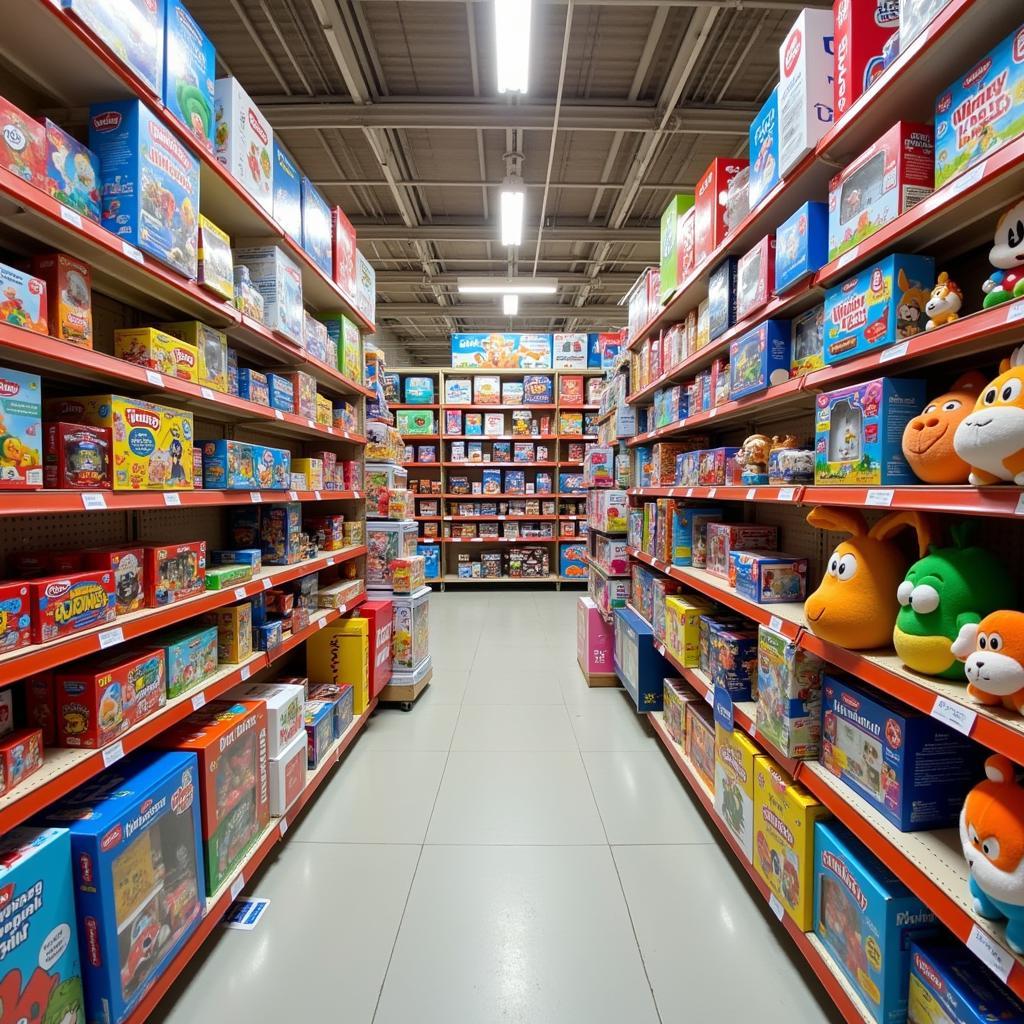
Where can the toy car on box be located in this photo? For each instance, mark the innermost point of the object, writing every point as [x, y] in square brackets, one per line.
[76, 456]
[174, 572]
[62, 605]
[68, 297]
[158, 350]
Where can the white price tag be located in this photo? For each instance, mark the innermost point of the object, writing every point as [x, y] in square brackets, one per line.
[848, 257]
[751, 493]
[775, 623]
[330, 560]
[894, 352]
[113, 753]
[198, 701]
[245, 673]
[237, 885]
[132, 253]
[776, 904]
[689, 492]
[323, 621]
[787, 493]
[956, 716]
[172, 498]
[266, 582]
[712, 412]
[255, 497]
[278, 414]
[93, 500]
[1019, 510]
[208, 394]
[70, 217]
[709, 697]
[293, 495]
[283, 826]
[155, 378]
[311, 424]
[357, 495]
[881, 498]
[239, 593]
[316, 494]
[111, 637]
[966, 181]
[1014, 312]
[990, 953]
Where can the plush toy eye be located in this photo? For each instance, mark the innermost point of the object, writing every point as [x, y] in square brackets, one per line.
[995, 642]
[846, 568]
[982, 641]
[989, 397]
[951, 405]
[990, 847]
[972, 834]
[930, 408]
[903, 592]
[924, 599]
[1011, 389]
[833, 566]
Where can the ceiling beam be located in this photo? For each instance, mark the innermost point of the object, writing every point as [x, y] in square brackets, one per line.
[417, 278]
[492, 310]
[435, 232]
[665, 186]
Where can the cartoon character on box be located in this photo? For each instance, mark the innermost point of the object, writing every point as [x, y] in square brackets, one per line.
[174, 572]
[23, 303]
[69, 297]
[191, 656]
[72, 173]
[127, 566]
[15, 617]
[66, 604]
[788, 695]
[734, 785]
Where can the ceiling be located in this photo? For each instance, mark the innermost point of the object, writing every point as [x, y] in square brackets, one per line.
[392, 109]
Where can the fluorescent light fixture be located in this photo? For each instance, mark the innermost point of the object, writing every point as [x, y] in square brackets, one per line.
[510, 304]
[513, 200]
[508, 285]
[512, 43]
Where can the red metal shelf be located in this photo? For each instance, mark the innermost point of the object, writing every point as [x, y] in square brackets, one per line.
[499, 408]
[499, 437]
[501, 465]
[496, 519]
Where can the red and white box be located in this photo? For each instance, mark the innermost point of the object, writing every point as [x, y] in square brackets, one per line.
[381, 624]
[685, 262]
[862, 28]
[15, 617]
[288, 775]
[755, 276]
[345, 260]
[709, 226]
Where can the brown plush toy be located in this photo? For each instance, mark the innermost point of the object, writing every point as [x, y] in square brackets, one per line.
[928, 438]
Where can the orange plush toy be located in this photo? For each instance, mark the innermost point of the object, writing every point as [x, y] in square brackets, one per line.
[928, 438]
[855, 605]
[993, 655]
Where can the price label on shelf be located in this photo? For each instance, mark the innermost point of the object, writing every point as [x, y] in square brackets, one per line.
[155, 378]
[237, 885]
[111, 637]
[266, 582]
[245, 673]
[132, 253]
[239, 593]
[998, 960]
[93, 500]
[882, 498]
[966, 181]
[316, 494]
[357, 495]
[330, 560]
[1019, 510]
[775, 623]
[323, 621]
[255, 497]
[70, 217]
[709, 697]
[848, 257]
[208, 394]
[198, 701]
[1014, 312]
[894, 352]
[787, 493]
[776, 904]
[689, 492]
[113, 754]
[712, 492]
[283, 826]
[278, 415]
[172, 498]
[751, 493]
[293, 495]
[712, 412]
[311, 424]
[956, 716]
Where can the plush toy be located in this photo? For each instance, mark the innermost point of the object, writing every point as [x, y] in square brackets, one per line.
[753, 458]
[992, 836]
[855, 604]
[991, 439]
[1006, 282]
[993, 655]
[928, 438]
[943, 592]
[943, 307]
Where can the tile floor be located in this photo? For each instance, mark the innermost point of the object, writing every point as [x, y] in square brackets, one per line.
[515, 849]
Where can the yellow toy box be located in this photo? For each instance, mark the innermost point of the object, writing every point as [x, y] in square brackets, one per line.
[682, 629]
[784, 817]
[158, 350]
[234, 632]
[340, 653]
[734, 784]
[212, 347]
[312, 470]
[324, 411]
[152, 444]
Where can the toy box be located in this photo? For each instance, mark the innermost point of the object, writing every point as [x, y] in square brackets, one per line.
[20, 456]
[340, 653]
[948, 983]
[283, 703]
[127, 565]
[133, 31]
[594, 640]
[569, 351]
[914, 770]
[878, 306]
[339, 697]
[801, 245]
[279, 281]
[764, 151]
[607, 510]
[685, 523]
[407, 574]
[861, 32]
[319, 722]
[229, 465]
[537, 389]
[244, 141]
[980, 112]
[366, 288]
[805, 86]
[281, 533]
[713, 466]
[784, 818]
[72, 173]
[22, 145]
[767, 577]
[157, 350]
[21, 755]
[211, 347]
[682, 628]
[76, 456]
[137, 863]
[866, 918]
[637, 664]
[191, 657]
[675, 699]
[411, 633]
[150, 183]
[722, 297]
[760, 359]
[316, 227]
[432, 560]
[346, 255]
[380, 618]
[458, 391]
[699, 741]
[229, 738]
[15, 616]
[418, 390]
[288, 774]
[252, 386]
[885, 181]
[732, 659]
[24, 301]
[287, 201]
[62, 605]
[41, 976]
[572, 561]
[673, 215]
[174, 572]
[723, 538]
[214, 263]
[915, 15]
[343, 334]
[710, 225]
[416, 421]
[858, 432]
[755, 275]
[268, 635]
[788, 695]
[189, 73]
[807, 351]
[152, 443]
[487, 390]
[734, 785]
[68, 297]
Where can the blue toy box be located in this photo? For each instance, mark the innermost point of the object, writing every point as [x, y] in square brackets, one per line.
[431, 560]
[878, 306]
[273, 468]
[858, 432]
[136, 855]
[769, 577]
[684, 518]
[515, 481]
[419, 391]
[732, 659]
[866, 918]
[40, 978]
[287, 193]
[149, 183]
[764, 150]
[490, 481]
[637, 664]
[950, 984]
[911, 768]
[801, 245]
[190, 69]
[316, 227]
[73, 175]
[537, 389]
[133, 30]
[722, 297]
[571, 483]
[228, 465]
[759, 359]
[281, 533]
[252, 386]
[281, 392]
[572, 561]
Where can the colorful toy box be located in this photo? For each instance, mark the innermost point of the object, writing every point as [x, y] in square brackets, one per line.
[244, 141]
[760, 359]
[734, 785]
[68, 297]
[346, 255]
[722, 297]
[72, 173]
[228, 465]
[287, 202]
[340, 653]
[885, 181]
[281, 533]
[980, 112]
[319, 722]
[637, 664]
[15, 616]
[807, 351]
[133, 32]
[211, 347]
[784, 818]
[189, 73]
[764, 151]
[682, 628]
[229, 739]
[20, 445]
[407, 574]
[684, 519]
[150, 183]
[732, 660]
[418, 390]
[866, 918]
[41, 977]
[755, 275]
[723, 538]
[670, 236]
[24, 301]
[801, 245]
[699, 741]
[366, 289]
[62, 605]
[343, 334]
[416, 421]
[283, 703]
[948, 983]
[21, 755]
[911, 768]
[379, 614]
[216, 272]
[137, 862]
[157, 350]
[152, 443]
[411, 644]
[22, 145]
[878, 306]
[431, 560]
[858, 432]
[252, 386]
[572, 561]
[710, 225]
[861, 32]
[279, 280]
[788, 695]
[594, 641]
[127, 565]
[768, 577]
[174, 572]
[190, 654]
[316, 227]
[386, 541]
[569, 351]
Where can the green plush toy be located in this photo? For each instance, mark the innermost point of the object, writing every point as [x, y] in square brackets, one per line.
[945, 590]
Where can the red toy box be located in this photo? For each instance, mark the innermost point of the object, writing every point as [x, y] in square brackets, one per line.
[98, 700]
[62, 605]
[755, 277]
[381, 626]
[685, 245]
[22, 145]
[174, 572]
[709, 224]
[21, 754]
[345, 260]
[76, 456]
[129, 577]
[862, 28]
[15, 616]
[39, 706]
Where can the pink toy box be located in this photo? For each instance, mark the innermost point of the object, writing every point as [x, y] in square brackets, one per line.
[755, 275]
[723, 538]
[709, 220]
[594, 644]
[862, 28]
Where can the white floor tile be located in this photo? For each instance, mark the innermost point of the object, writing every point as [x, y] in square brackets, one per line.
[513, 727]
[447, 686]
[512, 687]
[525, 934]
[429, 727]
[609, 725]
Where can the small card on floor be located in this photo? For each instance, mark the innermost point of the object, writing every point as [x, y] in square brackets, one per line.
[245, 913]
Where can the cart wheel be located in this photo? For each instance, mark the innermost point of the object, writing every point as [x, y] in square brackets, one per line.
[406, 705]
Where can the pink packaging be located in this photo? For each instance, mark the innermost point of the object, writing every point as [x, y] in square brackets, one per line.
[722, 538]
[709, 224]
[594, 643]
[755, 276]
[684, 242]
[862, 28]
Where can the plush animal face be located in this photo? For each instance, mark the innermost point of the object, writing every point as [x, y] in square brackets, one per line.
[994, 430]
[1007, 249]
[928, 438]
[992, 832]
[946, 298]
[993, 652]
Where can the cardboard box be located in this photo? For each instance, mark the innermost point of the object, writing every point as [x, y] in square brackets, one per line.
[278, 279]
[861, 32]
[288, 775]
[215, 265]
[755, 275]
[346, 254]
[174, 572]
[158, 350]
[211, 348]
[805, 86]
[709, 220]
[134, 35]
[316, 227]
[734, 785]
[764, 151]
[670, 238]
[760, 359]
[68, 297]
[801, 245]
[788, 695]
[244, 141]
[22, 145]
[190, 70]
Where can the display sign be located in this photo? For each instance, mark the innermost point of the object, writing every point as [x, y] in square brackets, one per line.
[497, 351]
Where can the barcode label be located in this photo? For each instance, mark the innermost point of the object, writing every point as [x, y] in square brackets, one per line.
[155, 378]
[70, 217]
[110, 637]
[113, 753]
[198, 701]
[172, 498]
[93, 501]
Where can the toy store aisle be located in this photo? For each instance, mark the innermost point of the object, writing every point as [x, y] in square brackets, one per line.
[516, 848]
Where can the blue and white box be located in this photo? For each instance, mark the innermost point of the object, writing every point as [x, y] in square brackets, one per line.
[287, 193]
[722, 297]
[316, 227]
[806, 63]
[190, 71]
[760, 359]
[801, 245]
[949, 983]
[764, 150]
[641, 669]
[279, 281]
[133, 30]
[431, 560]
